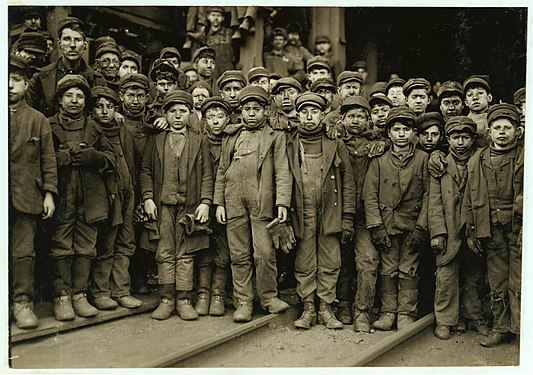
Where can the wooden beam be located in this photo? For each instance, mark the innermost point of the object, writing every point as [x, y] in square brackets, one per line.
[252, 51]
[329, 21]
[137, 20]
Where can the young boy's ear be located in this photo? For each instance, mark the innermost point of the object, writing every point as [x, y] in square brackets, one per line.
[489, 98]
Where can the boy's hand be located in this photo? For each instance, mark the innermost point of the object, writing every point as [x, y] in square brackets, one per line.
[86, 156]
[151, 209]
[376, 148]
[438, 244]
[414, 240]
[380, 238]
[49, 206]
[63, 157]
[202, 213]
[473, 242]
[220, 214]
[161, 123]
[119, 118]
[282, 214]
[437, 164]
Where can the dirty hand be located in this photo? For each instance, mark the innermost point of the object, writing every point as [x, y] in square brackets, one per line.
[282, 214]
[437, 164]
[48, 205]
[119, 118]
[380, 238]
[161, 123]
[220, 214]
[87, 156]
[473, 242]
[414, 240]
[151, 209]
[376, 148]
[63, 157]
[202, 212]
[438, 244]
[347, 231]
[138, 214]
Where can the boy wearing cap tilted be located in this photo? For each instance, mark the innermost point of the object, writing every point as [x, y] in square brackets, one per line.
[259, 76]
[459, 276]
[326, 88]
[477, 94]
[492, 211]
[450, 99]
[323, 200]
[318, 67]
[204, 61]
[396, 202]
[430, 131]
[116, 240]
[394, 91]
[417, 93]
[131, 63]
[285, 92]
[32, 183]
[253, 186]
[380, 105]
[177, 180]
[84, 157]
[173, 56]
[230, 84]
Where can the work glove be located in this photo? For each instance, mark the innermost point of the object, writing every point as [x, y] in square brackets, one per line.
[139, 216]
[380, 238]
[437, 164]
[192, 226]
[438, 244]
[63, 156]
[473, 242]
[347, 230]
[414, 240]
[282, 235]
[87, 157]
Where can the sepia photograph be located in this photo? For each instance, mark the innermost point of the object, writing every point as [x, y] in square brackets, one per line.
[200, 186]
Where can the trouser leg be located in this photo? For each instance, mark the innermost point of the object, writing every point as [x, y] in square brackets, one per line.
[367, 263]
[447, 293]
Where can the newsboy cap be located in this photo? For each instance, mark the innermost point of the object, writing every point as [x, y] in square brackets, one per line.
[216, 102]
[104, 92]
[322, 83]
[134, 80]
[354, 102]
[32, 41]
[475, 80]
[460, 123]
[177, 97]
[72, 80]
[108, 47]
[309, 98]
[204, 52]
[322, 39]
[229, 76]
[69, 22]
[394, 83]
[449, 88]
[170, 51]
[318, 62]
[253, 92]
[403, 114]
[503, 110]
[19, 64]
[379, 97]
[429, 119]
[162, 67]
[279, 31]
[257, 72]
[133, 56]
[286, 82]
[519, 95]
[349, 76]
[416, 83]
[202, 84]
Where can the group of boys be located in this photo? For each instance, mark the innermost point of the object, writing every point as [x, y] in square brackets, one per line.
[356, 191]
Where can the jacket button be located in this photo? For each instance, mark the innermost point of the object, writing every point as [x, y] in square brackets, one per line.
[335, 190]
[332, 177]
[335, 203]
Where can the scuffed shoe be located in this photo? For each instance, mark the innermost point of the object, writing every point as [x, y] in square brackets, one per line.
[442, 332]
[63, 310]
[217, 307]
[202, 305]
[361, 322]
[82, 307]
[185, 310]
[385, 322]
[129, 302]
[344, 312]
[243, 313]
[165, 309]
[327, 318]
[275, 305]
[24, 316]
[496, 338]
[104, 303]
[308, 318]
[404, 321]
[480, 326]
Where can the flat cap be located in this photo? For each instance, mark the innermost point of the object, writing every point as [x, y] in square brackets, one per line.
[133, 56]
[253, 93]
[32, 41]
[163, 67]
[216, 102]
[322, 83]
[450, 88]
[170, 51]
[503, 110]
[177, 97]
[72, 80]
[460, 123]
[202, 84]
[275, 75]
[318, 62]
[215, 9]
[204, 52]
[354, 102]
[519, 95]
[20, 64]
[186, 67]
[104, 92]
[378, 87]
[349, 76]
[393, 83]
[134, 80]
[46, 34]
[229, 76]
[286, 82]
[482, 80]
[322, 39]
[416, 83]
[69, 22]
[359, 64]
[279, 31]
[379, 97]
[428, 120]
[257, 72]
[103, 39]
[309, 98]
[107, 47]
[403, 114]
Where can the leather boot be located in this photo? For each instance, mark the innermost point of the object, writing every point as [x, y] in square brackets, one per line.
[81, 269]
[22, 272]
[404, 321]
[389, 303]
[344, 312]
[275, 305]
[385, 322]
[82, 307]
[496, 338]
[104, 303]
[218, 287]
[243, 312]
[205, 276]
[24, 316]
[63, 310]
[407, 303]
[184, 307]
[167, 303]
[442, 332]
[203, 303]
[308, 317]
[361, 321]
[62, 276]
[327, 318]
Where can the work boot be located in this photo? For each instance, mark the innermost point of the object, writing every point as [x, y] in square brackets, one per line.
[344, 312]
[246, 24]
[165, 309]
[24, 316]
[479, 325]
[185, 310]
[496, 338]
[385, 322]
[442, 332]
[82, 307]
[275, 305]
[404, 321]
[244, 311]
[361, 321]
[327, 318]
[236, 36]
[63, 310]
[217, 307]
[129, 302]
[104, 303]
[308, 318]
[407, 299]
[202, 305]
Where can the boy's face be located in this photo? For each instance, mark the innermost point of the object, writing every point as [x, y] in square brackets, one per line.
[71, 44]
[379, 114]
[317, 73]
[33, 23]
[216, 120]
[178, 116]
[396, 96]
[279, 42]
[477, 99]
[521, 107]
[199, 95]
[310, 117]
[293, 38]
[461, 142]
[173, 60]
[127, 67]
[253, 112]
[133, 99]
[164, 86]
[355, 121]
[347, 89]
[17, 87]
[205, 66]
[264, 82]
[192, 75]
[323, 47]
[285, 98]
[401, 135]
[451, 106]
[215, 19]
[326, 93]
[502, 132]
[418, 100]
[72, 101]
[230, 91]
[104, 111]
[430, 138]
[109, 65]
